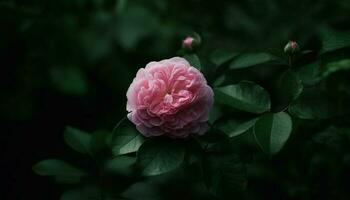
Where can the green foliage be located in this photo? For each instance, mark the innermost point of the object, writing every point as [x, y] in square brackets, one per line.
[99, 143]
[80, 194]
[312, 106]
[60, 170]
[333, 40]
[135, 24]
[87, 192]
[246, 96]
[335, 66]
[288, 87]
[83, 55]
[125, 139]
[219, 57]
[193, 60]
[272, 131]
[224, 175]
[90, 144]
[77, 140]
[120, 165]
[251, 59]
[69, 80]
[215, 113]
[160, 156]
[234, 128]
[310, 74]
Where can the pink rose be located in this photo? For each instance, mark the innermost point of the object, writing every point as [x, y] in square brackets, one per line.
[171, 98]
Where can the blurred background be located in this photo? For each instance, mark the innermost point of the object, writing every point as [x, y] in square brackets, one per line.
[70, 62]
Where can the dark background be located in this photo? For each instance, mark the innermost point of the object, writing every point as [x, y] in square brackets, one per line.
[70, 62]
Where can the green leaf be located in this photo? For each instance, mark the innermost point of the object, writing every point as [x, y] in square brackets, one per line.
[312, 105]
[224, 175]
[142, 190]
[215, 113]
[98, 142]
[251, 59]
[335, 66]
[62, 171]
[87, 192]
[333, 40]
[120, 165]
[77, 139]
[246, 96]
[193, 152]
[309, 74]
[160, 156]
[69, 80]
[125, 139]
[77, 195]
[289, 87]
[193, 60]
[121, 5]
[212, 139]
[219, 57]
[272, 131]
[219, 81]
[134, 24]
[234, 127]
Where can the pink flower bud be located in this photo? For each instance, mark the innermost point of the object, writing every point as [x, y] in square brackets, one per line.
[187, 42]
[291, 48]
[170, 98]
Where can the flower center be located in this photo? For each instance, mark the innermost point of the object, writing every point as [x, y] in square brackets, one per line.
[168, 98]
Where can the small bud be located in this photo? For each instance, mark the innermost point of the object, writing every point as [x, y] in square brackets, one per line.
[291, 48]
[187, 42]
[191, 43]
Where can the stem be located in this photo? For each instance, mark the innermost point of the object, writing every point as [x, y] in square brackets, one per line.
[100, 184]
[290, 61]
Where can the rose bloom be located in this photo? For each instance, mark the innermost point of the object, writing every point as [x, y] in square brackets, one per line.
[171, 98]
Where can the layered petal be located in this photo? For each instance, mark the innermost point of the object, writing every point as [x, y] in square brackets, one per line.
[171, 98]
